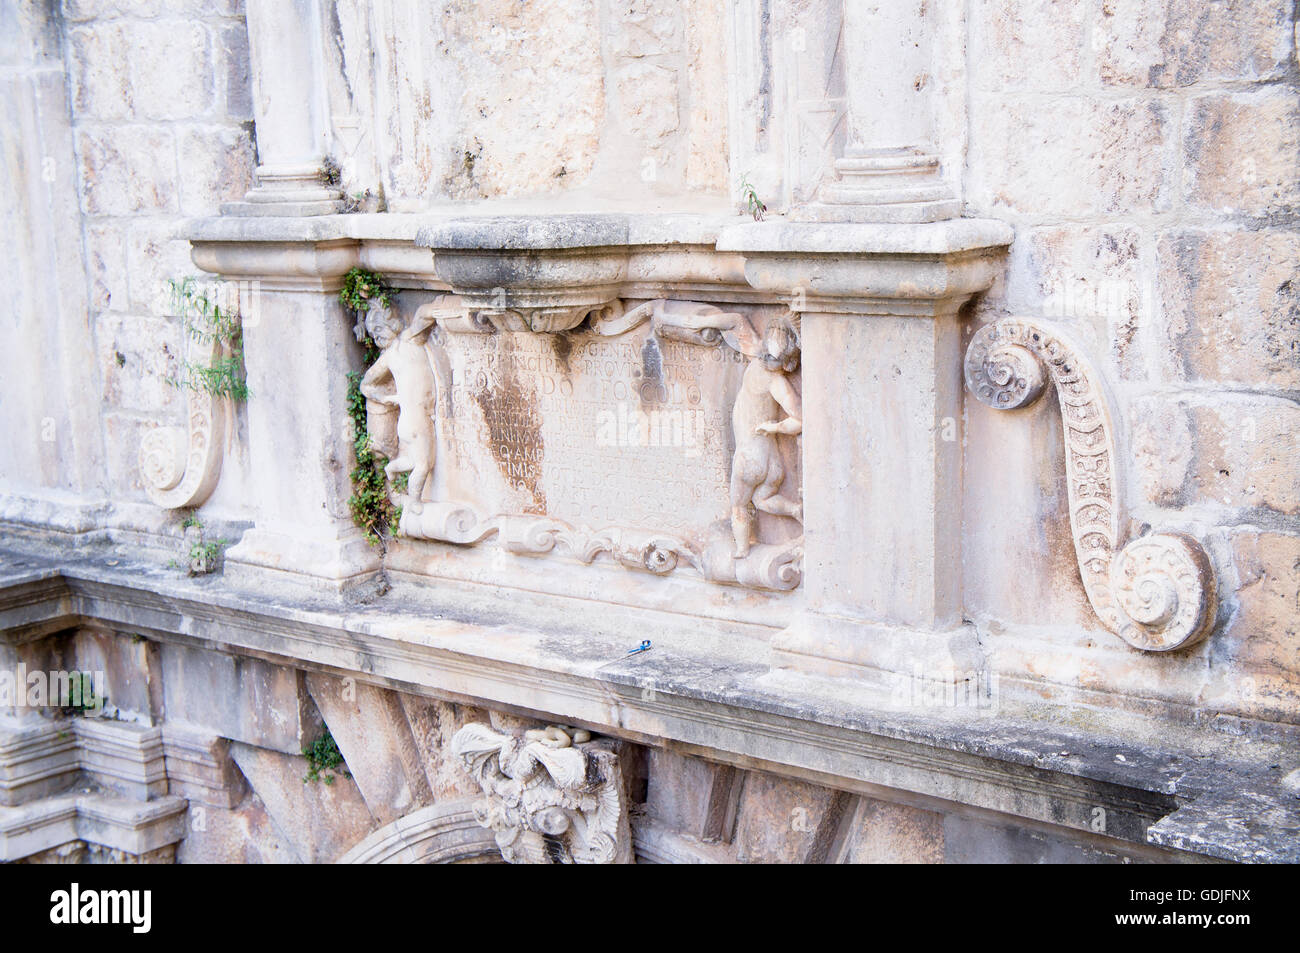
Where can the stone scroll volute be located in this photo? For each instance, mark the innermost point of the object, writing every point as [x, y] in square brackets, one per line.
[180, 466]
[1157, 592]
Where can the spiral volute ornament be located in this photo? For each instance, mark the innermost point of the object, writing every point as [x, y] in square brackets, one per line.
[1157, 593]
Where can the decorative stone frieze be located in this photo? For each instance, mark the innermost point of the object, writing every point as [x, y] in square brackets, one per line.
[553, 795]
[1157, 592]
[501, 399]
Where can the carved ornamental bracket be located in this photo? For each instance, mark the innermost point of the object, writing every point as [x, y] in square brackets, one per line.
[552, 796]
[1157, 591]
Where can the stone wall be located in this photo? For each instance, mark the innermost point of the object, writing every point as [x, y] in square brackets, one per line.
[1148, 156]
[1144, 153]
[465, 101]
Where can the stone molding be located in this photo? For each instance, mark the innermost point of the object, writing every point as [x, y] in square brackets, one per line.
[1157, 592]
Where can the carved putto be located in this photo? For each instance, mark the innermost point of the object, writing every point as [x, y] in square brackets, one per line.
[1157, 592]
[402, 379]
[551, 796]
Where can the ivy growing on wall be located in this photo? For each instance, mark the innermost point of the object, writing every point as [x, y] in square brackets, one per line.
[370, 505]
[207, 322]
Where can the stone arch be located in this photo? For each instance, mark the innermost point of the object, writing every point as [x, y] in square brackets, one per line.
[444, 833]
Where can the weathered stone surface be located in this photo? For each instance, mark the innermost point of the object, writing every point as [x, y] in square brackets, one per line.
[218, 167]
[786, 822]
[433, 724]
[1036, 45]
[1112, 159]
[1258, 668]
[126, 169]
[1180, 42]
[1230, 306]
[1242, 152]
[884, 833]
[1235, 453]
[371, 731]
[319, 821]
[238, 698]
[139, 358]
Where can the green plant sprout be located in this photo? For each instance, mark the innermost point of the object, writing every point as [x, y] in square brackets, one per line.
[324, 760]
[753, 204]
[206, 322]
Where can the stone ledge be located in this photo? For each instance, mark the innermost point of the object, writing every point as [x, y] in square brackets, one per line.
[703, 694]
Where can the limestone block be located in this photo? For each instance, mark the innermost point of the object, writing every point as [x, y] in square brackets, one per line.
[1112, 158]
[236, 75]
[646, 28]
[138, 358]
[200, 769]
[1163, 448]
[693, 797]
[1242, 152]
[171, 69]
[1087, 274]
[155, 255]
[1180, 42]
[1018, 45]
[320, 821]
[783, 821]
[1230, 307]
[100, 70]
[106, 263]
[127, 169]
[132, 675]
[245, 834]
[371, 731]
[648, 101]
[706, 115]
[216, 166]
[1246, 452]
[885, 833]
[433, 725]
[1257, 657]
[238, 698]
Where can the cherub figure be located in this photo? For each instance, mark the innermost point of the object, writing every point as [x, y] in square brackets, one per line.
[403, 377]
[757, 470]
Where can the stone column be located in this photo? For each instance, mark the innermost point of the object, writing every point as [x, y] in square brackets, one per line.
[290, 110]
[890, 170]
[882, 439]
[298, 350]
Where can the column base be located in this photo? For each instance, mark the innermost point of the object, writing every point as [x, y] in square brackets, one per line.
[889, 213]
[284, 208]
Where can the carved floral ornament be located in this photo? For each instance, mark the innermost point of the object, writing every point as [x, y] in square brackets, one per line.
[403, 387]
[1157, 592]
[552, 795]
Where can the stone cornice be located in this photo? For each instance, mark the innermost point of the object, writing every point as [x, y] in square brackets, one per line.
[919, 269]
[714, 702]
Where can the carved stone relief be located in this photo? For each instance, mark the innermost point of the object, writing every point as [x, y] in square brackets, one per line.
[552, 796]
[180, 466]
[664, 436]
[1157, 592]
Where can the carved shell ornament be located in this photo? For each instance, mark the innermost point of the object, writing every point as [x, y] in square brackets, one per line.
[1157, 592]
